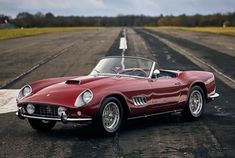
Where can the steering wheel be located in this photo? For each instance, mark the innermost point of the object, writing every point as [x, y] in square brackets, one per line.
[135, 72]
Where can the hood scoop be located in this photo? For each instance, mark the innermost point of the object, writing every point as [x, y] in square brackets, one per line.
[73, 82]
[83, 80]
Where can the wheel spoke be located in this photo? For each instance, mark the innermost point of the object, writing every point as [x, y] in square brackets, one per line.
[111, 116]
[195, 102]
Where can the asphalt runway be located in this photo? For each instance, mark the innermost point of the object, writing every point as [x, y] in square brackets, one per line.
[163, 136]
[62, 54]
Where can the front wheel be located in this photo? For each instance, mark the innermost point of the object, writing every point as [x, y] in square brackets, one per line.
[195, 104]
[110, 115]
[41, 125]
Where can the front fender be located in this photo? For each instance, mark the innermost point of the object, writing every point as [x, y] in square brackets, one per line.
[40, 84]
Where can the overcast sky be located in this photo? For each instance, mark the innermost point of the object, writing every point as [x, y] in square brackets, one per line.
[116, 7]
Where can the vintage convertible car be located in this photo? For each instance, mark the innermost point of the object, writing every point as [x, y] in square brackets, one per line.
[118, 88]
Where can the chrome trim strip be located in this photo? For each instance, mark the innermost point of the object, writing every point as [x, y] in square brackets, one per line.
[155, 114]
[139, 100]
[55, 119]
[214, 95]
[118, 75]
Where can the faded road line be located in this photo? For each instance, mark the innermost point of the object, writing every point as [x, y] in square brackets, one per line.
[226, 79]
[42, 62]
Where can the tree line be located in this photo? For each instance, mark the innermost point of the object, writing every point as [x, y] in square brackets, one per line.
[25, 19]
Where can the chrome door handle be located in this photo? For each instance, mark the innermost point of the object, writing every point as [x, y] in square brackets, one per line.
[177, 83]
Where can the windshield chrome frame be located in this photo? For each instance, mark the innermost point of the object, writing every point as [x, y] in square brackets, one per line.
[152, 69]
[123, 75]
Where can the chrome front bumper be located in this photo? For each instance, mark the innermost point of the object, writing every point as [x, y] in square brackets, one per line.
[213, 96]
[64, 118]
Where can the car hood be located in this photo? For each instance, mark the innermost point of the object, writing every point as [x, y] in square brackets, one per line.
[65, 93]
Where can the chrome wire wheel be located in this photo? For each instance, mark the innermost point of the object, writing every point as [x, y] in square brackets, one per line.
[111, 117]
[195, 103]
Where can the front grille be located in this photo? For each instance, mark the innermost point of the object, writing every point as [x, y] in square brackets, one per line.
[45, 110]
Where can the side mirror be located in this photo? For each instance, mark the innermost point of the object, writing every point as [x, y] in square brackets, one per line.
[156, 73]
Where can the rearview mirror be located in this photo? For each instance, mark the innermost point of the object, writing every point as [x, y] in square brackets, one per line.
[156, 73]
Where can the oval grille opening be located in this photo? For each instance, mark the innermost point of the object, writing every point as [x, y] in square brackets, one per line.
[45, 110]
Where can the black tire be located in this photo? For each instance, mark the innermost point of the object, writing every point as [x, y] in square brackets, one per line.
[100, 121]
[191, 111]
[41, 125]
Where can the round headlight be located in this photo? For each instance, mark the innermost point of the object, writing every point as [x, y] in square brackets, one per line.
[26, 90]
[61, 110]
[87, 96]
[84, 98]
[30, 108]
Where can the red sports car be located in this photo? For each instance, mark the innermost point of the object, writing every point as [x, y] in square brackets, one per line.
[118, 88]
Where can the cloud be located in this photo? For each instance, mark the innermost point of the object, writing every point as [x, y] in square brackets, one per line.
[115, 7]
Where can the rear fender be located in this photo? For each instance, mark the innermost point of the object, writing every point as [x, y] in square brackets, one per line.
[200, 84]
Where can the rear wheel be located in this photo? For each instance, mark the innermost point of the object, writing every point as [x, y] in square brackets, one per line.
[195, 104]
[41, 125]
[110, 115]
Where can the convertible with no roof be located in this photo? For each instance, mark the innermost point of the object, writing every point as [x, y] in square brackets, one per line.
[118, 88]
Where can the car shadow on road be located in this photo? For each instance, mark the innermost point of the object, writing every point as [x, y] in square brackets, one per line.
[70, 131]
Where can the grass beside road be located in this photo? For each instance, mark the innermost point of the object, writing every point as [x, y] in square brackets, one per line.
[15, 33]
[217, 30]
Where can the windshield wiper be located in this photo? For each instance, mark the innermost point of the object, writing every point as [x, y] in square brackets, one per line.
[96, 71]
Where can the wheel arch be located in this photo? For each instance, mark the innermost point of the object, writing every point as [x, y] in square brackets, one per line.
[121, 98]
[201, 85]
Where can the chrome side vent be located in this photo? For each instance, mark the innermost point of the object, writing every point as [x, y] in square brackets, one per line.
[140, 100]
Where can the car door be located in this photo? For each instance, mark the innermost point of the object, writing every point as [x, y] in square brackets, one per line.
[138, 95]
[165, 93]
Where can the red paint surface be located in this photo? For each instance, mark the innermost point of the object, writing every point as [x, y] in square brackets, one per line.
[162, 94]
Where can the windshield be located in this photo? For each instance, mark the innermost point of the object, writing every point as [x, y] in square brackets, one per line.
[130, 66]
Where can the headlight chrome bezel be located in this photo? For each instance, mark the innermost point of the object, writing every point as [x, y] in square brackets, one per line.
[22, 95]
[81, 101]
[60, 110]
[30, 108]
[87, 96]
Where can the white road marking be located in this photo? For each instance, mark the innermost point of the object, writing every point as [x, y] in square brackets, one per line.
[123, 46]
[8, 100]
[123, 43]
[8, 96]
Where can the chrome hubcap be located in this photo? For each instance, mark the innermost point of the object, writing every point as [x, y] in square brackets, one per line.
[111, 116]
[195, 103]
